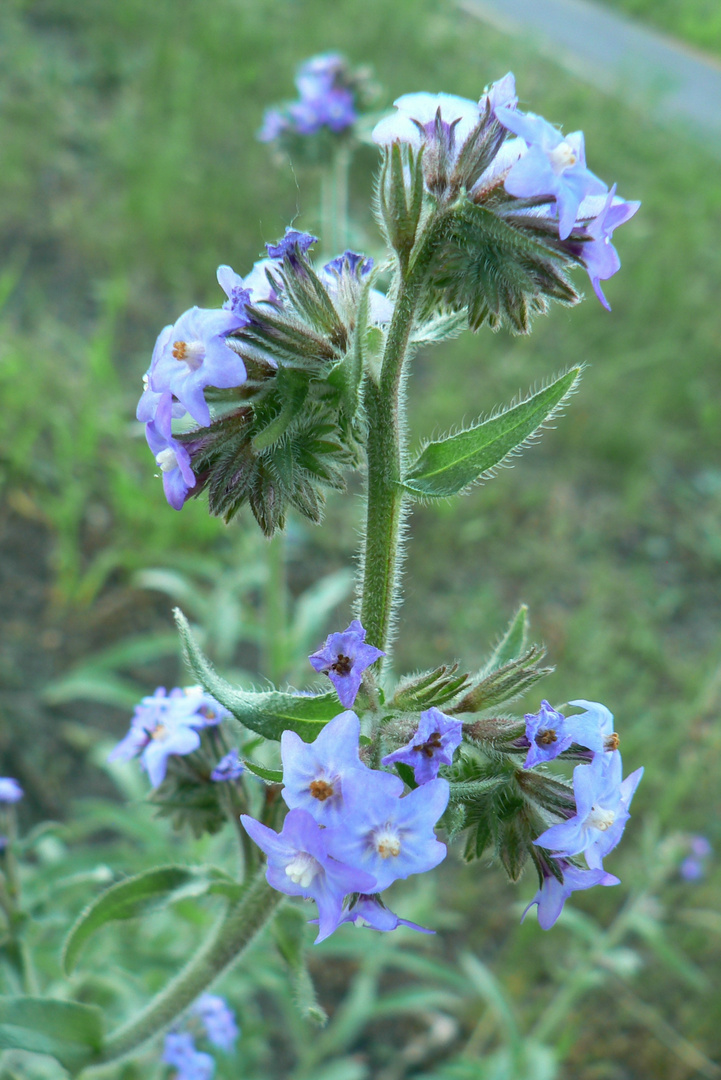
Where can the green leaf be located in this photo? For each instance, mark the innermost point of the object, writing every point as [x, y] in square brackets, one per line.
[269, 712]
[70, 1032]
[125, 900]
[448, 466]
[406, 774]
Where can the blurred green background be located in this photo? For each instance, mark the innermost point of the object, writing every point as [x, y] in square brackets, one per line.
[130, 170]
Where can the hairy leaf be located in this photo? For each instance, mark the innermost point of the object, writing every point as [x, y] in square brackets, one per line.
[269, 712]
[450, 465]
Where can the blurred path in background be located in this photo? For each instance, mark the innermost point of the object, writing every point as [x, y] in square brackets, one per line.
[619, 56]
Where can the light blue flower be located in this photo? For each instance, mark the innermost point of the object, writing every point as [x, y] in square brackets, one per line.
[218, 1020]
[552, 894]
[344, 658]
[602, 810]
[316, 775]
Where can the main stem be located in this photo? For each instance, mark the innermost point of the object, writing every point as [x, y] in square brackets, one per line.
[233, 933]
[385, 451]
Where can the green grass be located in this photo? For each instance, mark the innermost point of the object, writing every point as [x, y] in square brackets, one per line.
[696, 21]
[130, 171]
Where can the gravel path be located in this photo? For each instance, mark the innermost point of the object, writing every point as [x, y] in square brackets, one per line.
[618, 55]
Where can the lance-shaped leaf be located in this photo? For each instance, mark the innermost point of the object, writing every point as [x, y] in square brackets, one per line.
[136, 896]
[269, 712]
[70, 1032]
[450, 465]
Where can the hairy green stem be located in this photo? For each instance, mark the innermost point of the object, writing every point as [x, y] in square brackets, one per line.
[233, 933]
[276, 612]
[385, 450]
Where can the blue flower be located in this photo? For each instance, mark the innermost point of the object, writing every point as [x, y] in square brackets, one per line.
[602, 802]
[229, 767]
[10, 790]
[317, 775]
[218, 1020]
[598, 254]
[172, 457]
[553, 893]
[436, 739]
[300, 864]
[389, 837]
[293, 247]
[553, 166]
[550, 732]
[192, 1064]
[194, 354]
[344, 658]
[370, 911]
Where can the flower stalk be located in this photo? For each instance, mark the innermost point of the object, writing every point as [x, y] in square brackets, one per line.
[235, 930]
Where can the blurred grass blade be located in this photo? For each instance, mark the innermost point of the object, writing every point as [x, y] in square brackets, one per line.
[70, 1032]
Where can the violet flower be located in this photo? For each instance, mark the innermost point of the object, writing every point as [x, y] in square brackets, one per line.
[552, 894]
[300, 864]
[230, 767]
[10, 790]
[218, 1020]
[316, 775]
[436, 739]
[172, 457]
[293, 246]
[389, 837]
[344, 658]
[195, 354]
[553, 166]
[598, 254]
[370, 911]
[192, 1064]
[343, 279]
[602, 810]
[550, 733]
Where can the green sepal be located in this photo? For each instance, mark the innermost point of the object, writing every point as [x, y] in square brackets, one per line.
[292, 388]
[189, 803]
[272, 776]
[416, 692]
[347, 375]
[400, 196]
[309, 297]
[66, 1030]
[450, 465]
[136, 896]
[406, 774]
[513, 642]
[505, 683]
[269, 712]
[502, 270]
[549, 792]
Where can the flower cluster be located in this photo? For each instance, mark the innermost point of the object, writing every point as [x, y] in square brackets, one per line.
[218, 1026]
[327, 93]
[252, 372]
[531, 177]
[602, 800]
[350, 831]
[167, 724]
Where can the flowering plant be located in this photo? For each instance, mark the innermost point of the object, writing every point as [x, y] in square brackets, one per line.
[264, 404]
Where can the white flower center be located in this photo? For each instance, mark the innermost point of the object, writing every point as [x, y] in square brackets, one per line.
[191, 353]
[562, 157]
[146, 381]
[302, 869]
[166, 459]
[600, 818]
[387, 843]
